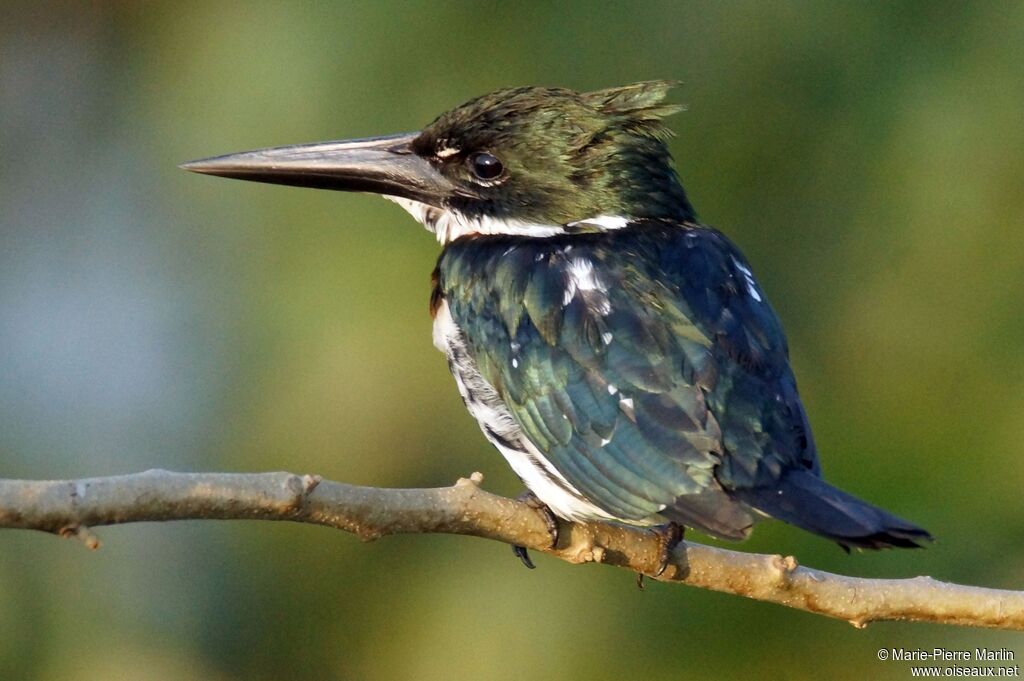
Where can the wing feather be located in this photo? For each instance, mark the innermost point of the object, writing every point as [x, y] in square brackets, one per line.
[645, 366]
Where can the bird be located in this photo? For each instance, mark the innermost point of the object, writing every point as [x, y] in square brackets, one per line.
[620, 354]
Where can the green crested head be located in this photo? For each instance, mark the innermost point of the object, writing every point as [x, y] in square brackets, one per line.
[530, 161]
[556, 156]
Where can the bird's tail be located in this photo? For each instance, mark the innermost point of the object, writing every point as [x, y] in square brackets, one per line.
[805, 500]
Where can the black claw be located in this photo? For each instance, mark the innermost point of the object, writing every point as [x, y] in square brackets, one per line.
[640, 581]
[531, 500]
[669, 535]
[524, 555]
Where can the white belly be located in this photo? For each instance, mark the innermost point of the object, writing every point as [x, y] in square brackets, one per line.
[501, 428]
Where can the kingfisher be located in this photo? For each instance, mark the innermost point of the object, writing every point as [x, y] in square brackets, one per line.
[619, 354]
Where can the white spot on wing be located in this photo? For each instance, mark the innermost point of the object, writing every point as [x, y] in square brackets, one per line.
[626, 405]
[582, 272]
[581, 278]
[748, 279]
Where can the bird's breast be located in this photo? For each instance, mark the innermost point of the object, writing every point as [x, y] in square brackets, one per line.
[501, 428]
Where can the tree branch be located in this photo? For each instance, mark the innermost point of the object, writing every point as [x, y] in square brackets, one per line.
[70, 507]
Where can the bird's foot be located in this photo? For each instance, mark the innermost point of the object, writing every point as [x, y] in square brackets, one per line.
[669, 535]
[531, 500]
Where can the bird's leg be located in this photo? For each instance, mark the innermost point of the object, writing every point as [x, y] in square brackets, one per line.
[531, 500]
[669, 535]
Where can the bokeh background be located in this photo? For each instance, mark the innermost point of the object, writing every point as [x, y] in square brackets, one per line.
[868, 157]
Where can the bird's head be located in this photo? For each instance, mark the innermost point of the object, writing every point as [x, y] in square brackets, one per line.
[529, 161]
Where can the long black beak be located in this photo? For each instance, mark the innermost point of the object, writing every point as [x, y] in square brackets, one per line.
[381, 165]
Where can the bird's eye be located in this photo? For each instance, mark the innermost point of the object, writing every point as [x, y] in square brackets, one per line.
[485, 166]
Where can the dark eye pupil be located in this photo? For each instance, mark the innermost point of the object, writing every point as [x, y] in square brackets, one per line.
[485, 166]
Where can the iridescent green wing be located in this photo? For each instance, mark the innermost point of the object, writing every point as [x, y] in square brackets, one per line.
[613, 372]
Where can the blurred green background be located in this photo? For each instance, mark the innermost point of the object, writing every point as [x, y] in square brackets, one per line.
[868, 157]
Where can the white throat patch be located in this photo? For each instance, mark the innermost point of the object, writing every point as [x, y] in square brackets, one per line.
[448, 225]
